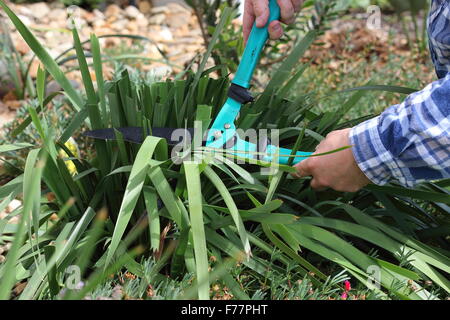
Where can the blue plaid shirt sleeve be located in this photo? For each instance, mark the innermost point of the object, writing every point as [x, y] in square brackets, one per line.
[410, 142]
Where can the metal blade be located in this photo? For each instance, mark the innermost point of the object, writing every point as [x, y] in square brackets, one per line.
[137, 135]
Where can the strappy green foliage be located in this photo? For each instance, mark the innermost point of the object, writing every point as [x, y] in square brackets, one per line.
[188, 214]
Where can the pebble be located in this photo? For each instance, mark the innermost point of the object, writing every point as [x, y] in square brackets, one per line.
[113, 10]
[25, 19]
[132, 12]
[39, 9]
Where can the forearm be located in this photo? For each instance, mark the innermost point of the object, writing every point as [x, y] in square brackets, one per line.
[409, 142]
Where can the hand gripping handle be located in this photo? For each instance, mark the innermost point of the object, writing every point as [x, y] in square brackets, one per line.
[255, 44]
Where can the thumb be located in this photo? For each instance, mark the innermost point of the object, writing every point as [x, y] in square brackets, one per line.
[302, 169]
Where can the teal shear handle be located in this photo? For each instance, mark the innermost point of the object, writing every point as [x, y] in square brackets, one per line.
[255, 44]
[223, 130]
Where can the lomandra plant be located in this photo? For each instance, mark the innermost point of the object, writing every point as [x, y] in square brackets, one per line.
[127, 201]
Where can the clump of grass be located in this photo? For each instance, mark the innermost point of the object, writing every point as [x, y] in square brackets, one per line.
[129, 201]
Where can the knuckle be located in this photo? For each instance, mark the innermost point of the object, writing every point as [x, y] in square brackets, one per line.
[323, 182]
[309, 164]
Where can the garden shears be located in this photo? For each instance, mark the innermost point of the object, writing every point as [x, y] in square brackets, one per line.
[222, 133]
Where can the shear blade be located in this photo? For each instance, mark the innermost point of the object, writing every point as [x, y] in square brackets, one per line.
[137, 134]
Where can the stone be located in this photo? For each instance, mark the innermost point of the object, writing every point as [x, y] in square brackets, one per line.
[177, 8]
[113, 10]
[132, 26]
[33, 68]
[145, 7]
[88, 16]
[157, 19]
[21, 46]
[98, 14]
[177, 20]
[13, 205]
[161, 9]
[25, 20]
[166, 34]
[39, 10]
[132, 12]
[6, 116]
[13, 104]
[119, 25]
[58, 15]
[142, 21]
[25, 11]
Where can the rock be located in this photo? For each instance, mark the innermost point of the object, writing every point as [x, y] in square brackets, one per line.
[178, 17]
[10, 96]
[13, 205]
[113, 11]
[177, 8]
[132, 26]
[25, 11]
[25, 19]
[13, 104]
[177, 20]
[166, 34]
[145, 7]
[88, 16]
[161, 9]
[58, 15]
[34, 68]
[157, 19]
[120, 24]
[98, 14]
[142, 21]
[39, 10]
[132, 12]
[6, 116]
[22, 47]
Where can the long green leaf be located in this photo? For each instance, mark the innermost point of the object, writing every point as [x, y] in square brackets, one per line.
[197, 226]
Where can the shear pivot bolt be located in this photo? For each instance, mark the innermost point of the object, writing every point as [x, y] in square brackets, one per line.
[227, 126]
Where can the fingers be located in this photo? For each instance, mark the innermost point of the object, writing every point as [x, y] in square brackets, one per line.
[287, 11]
[249, 19]
[261, 11]
[258, 10]
[317, 185]
[303, 169]
[275, 30]
[297, 5]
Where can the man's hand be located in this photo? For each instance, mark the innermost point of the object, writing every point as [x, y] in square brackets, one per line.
[259, 10]
[338, 170]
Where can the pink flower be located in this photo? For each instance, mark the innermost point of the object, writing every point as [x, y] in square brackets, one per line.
[344, 296]
[347, 285]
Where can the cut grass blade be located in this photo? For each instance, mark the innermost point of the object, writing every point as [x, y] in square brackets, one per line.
[197, 226]
[220, 186]
[151, 205]
[133, 190]
[31, 187]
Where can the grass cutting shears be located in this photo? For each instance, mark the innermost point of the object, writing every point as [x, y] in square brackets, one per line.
[222, 134]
